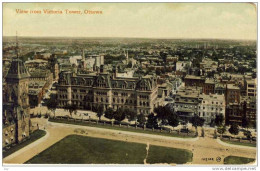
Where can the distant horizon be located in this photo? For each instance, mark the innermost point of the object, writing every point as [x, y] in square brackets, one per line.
[160, 38]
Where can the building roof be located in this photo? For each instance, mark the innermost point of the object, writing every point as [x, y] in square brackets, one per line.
[232, 86]
[209, 81]
[17, 70]
[40, 73]
[193, 77]
[211, 97]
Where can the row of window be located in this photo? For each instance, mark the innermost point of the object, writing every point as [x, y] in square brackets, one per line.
[213, 102]
[101, 93]
[81, 91]
[63, 96]
[123, 101]
[144, 97]
[101, 100]
[63, 90]
[195, 107]
[203, 114]
[123, 94]
[212, 108]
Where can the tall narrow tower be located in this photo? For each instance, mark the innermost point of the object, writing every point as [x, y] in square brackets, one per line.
[17, 99]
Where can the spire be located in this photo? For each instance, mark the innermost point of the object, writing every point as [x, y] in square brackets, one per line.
[17, 47]
[17, 68]
[126, 57]
[83, 54]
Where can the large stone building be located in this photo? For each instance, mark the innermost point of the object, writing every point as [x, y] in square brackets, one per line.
[87, 91]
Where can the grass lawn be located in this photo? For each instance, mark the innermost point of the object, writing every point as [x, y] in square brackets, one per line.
[237, 160]
[33, 137]
[77, 149]
[240, 143]
[120, 128]
[159, 154]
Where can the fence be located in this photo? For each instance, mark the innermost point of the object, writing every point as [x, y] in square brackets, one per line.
[122, 125]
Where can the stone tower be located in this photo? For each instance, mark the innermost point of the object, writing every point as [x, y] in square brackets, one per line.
[16, 98]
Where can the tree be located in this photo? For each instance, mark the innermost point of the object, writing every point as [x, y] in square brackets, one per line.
[173, 120]
[197, 121]
[219, 119]
[100, 111]
[71, 108]
[245, 122]
[141, 119]
[221, 129]
[152, 121]
[248, 134]
[109, 113]
[234, 130]
[130, 114]
[163, 113]
[119, 115]
[52, 105]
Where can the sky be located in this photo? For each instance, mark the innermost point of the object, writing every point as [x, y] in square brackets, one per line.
[142, 20]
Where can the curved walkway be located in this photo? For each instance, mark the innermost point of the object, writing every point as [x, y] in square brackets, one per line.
[233, 145]
[205, 150]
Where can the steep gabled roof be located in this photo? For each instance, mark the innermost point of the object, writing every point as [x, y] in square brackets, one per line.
[17, 70]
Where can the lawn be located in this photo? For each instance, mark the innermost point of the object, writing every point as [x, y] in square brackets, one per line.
[77, 149]
[120, 128]
[239, 143]
[159, 154]
[237, 160]
[33, 137]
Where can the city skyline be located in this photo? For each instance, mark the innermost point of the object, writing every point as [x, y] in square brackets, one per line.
[206, 20]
